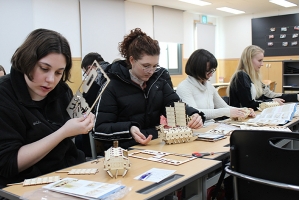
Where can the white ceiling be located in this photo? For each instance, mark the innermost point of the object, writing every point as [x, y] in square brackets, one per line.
[248, 6]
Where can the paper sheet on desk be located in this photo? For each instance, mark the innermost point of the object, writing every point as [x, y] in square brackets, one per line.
[208, 122]
[223, 129]
[266, 128]
[276, 115]
[156, 175]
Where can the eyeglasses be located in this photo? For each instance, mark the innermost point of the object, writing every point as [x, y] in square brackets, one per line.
[149, 68]
[211, 71]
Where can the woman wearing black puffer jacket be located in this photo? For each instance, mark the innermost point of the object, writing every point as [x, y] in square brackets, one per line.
[137, 94]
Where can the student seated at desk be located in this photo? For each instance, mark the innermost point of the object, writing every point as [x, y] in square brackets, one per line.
[198, 92]
[246, 87]
[138, 92]
[83, 141]
[86, 66]
[36, 130]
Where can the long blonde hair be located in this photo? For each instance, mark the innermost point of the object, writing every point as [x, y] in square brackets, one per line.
[245, 64]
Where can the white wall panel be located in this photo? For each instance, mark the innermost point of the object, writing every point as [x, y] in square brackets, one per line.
[206, 37]
[139, 16]
[206, 40]
[16, 23]
[102, 27]
[60, 16]
[168, 24]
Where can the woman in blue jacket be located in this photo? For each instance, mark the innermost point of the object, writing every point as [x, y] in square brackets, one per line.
[137, 94]
[36, 130]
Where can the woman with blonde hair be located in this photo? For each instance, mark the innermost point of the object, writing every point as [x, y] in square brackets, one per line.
[246, 88]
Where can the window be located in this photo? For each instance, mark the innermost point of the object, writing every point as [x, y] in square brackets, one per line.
[171, 57]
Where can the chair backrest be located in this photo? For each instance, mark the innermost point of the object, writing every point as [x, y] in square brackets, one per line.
[270, 84]
[222, 90]
[258, 154]
[273, 86]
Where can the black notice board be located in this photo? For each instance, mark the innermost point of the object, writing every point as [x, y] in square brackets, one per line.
[277, 35]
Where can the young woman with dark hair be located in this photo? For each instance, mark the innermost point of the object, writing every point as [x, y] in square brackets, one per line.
[197, 91]
[36, 130]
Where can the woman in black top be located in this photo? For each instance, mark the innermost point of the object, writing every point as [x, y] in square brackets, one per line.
[138, 93]
[246, 88]
[36, 130]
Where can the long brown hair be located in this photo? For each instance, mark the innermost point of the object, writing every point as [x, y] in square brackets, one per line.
[2, 69]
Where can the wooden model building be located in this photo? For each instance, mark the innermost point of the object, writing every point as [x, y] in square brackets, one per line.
[246, 112]
[269, 104]
[78, 106]
[176, 130]
[116, 161]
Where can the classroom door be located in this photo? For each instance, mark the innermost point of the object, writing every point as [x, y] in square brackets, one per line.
[205, 36]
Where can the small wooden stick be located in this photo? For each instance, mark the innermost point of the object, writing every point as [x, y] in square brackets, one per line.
[62, 171]
[10, 184]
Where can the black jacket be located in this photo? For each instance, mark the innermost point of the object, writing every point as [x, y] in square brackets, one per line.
[240, 93]
[22, 122]
[124, 104]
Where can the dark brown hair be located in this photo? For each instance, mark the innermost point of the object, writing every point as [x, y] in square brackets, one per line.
[89, 59]
[137, 44]
[37, 45]
[2, 69]
[197, 64]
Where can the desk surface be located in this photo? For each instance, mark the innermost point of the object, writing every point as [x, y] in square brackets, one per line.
[192, 171]
[199, 146]
[190, 147]
[220, 84]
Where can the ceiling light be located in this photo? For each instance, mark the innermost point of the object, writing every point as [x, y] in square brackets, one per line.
[283, 3]
[230, 10]
[196, 2]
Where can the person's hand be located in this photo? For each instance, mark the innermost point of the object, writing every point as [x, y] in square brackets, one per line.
[81, 125]
[252, 112]
[195, 122]
[279, 100]
[236, 112]
[138, 136]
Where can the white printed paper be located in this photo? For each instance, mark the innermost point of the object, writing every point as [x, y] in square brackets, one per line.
[155, 175]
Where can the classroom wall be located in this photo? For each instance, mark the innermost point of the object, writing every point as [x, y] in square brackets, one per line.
[236, 32]
[102, 27]
[233, 33]
[16, 22]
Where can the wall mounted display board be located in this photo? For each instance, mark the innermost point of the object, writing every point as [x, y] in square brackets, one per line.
[277, 35]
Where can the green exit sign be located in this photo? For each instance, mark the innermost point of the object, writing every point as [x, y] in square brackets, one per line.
[204, 19]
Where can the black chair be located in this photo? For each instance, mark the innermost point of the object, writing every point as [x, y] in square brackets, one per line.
[264, 165]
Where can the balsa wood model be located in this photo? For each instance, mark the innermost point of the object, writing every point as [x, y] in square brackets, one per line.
[269, 104]
[176, 130]
[116, 161]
